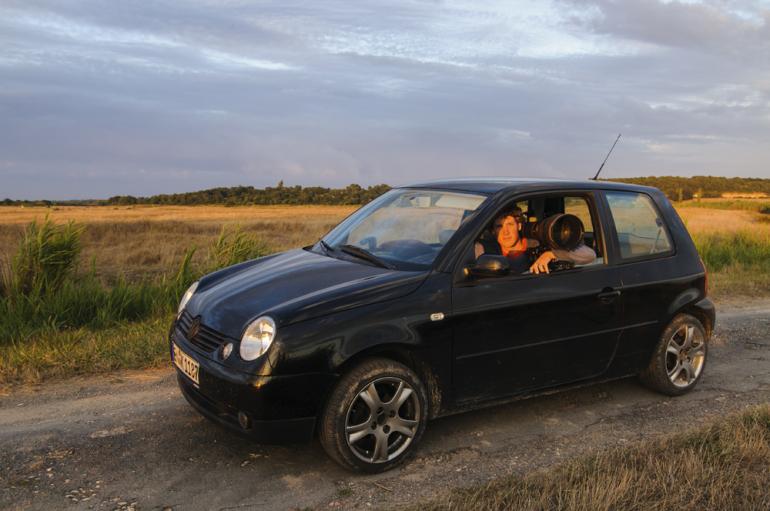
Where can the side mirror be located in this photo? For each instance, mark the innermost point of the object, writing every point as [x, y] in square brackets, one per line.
[489, 265]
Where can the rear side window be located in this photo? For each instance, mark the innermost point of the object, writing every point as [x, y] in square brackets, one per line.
[641, 231]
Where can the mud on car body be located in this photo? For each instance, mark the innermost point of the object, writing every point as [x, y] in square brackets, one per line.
[390, 320]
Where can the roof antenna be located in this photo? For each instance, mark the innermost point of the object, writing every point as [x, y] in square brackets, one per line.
[605, 159]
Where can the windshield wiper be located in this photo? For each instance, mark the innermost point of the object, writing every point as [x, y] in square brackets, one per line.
[327, 248]
[365, 254]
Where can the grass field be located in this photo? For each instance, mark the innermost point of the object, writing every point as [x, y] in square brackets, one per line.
[147, 241]
[114, 307]
[759, 204]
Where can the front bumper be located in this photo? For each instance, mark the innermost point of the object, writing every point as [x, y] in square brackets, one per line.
[280, 409]
[264, 431]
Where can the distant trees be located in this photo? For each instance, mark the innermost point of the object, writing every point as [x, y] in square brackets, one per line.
[683, 188]
[281, 194]
[676, 188]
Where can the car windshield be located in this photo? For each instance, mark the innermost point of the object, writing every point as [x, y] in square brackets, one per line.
[403, 229]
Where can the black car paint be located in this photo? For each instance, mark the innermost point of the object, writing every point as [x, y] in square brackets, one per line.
[499, 338]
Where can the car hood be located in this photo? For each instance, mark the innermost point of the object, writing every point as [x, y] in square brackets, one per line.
[293, 286]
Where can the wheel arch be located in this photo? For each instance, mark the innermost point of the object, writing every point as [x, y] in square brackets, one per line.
[409, 356]
[702, 314]
[691, 301]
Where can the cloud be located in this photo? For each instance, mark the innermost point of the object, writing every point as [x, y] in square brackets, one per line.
[102, 99]
[711, 26]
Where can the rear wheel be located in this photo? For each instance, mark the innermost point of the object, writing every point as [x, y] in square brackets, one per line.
[375, 416]
[679, 358]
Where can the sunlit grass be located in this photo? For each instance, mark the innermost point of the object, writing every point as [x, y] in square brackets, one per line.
[137, 242]
[760, 205]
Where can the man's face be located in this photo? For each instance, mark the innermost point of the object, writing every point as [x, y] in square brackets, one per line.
[506, 230]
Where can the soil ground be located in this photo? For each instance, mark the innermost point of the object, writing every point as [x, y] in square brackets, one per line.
[130, 441]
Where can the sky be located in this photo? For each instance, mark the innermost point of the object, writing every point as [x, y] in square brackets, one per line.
[144, 97]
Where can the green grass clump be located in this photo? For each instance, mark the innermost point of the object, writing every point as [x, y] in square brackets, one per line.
[738, 262]
[235, 246]
[53, 353]
[723, 250]
[46, 256]
[722, 466]
[86, 303]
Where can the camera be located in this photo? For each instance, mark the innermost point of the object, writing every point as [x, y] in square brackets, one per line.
[561, 231]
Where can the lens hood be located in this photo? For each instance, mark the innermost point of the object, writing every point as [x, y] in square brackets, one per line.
[561, 231]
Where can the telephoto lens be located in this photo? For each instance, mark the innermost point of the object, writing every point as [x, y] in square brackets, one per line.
[561, 231]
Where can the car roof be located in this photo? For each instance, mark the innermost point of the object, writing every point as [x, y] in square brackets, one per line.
[493, 185]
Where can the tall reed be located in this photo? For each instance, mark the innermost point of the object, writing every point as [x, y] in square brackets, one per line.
[46, 256]
[234, 246]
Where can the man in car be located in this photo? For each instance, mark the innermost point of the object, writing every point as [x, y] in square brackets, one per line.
[505, 239]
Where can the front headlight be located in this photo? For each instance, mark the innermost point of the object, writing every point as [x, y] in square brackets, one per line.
[257, 338]
[186, 298]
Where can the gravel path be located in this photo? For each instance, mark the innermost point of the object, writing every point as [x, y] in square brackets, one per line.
[130, 441]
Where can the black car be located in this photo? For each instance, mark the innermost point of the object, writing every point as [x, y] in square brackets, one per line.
[395, 317]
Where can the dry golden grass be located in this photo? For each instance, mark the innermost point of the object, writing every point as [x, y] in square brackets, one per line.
[213, 213]
[146, 241]
[723, 466]
[704, 220]
[139, 241]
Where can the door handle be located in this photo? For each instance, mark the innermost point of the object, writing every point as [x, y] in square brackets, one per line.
[608, 296]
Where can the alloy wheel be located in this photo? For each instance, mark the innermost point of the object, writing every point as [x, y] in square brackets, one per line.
[382, 420]
[685, 355]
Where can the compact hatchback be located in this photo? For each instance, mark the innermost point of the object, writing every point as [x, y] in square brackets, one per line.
[408, 310]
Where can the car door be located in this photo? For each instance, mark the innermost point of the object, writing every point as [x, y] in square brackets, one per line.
[519, 333]
[650, 273]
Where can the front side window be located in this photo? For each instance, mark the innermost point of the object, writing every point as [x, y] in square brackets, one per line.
[530, 230]
[640, 229]
[405, 229]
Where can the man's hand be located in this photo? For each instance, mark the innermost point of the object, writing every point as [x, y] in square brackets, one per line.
[541, 265]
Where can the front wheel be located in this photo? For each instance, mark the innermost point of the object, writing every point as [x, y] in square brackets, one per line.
[679, 358]
[375, 416]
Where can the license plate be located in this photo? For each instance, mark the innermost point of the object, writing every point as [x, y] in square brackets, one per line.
[186, 364]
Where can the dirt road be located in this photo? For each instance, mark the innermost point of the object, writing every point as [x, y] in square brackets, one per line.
[130, 441]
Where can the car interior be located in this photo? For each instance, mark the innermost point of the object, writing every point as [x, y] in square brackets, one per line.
[538, 209]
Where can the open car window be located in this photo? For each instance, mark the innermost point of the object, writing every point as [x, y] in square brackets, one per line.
[405, 228]
[579, 207]
[534, 211]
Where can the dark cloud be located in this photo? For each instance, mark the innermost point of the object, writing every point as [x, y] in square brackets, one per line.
[102, 99]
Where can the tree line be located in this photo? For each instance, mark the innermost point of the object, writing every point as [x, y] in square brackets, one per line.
[686, 188]
[676, 188]
[242, 195]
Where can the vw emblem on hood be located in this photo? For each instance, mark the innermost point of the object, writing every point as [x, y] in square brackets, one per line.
[195, 327]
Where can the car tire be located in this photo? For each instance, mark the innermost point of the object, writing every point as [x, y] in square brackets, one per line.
[375, 416]
[680, 357]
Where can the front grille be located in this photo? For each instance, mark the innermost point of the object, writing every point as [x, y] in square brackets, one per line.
[207, 339]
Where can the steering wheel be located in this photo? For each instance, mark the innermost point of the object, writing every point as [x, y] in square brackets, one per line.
[406, 248]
